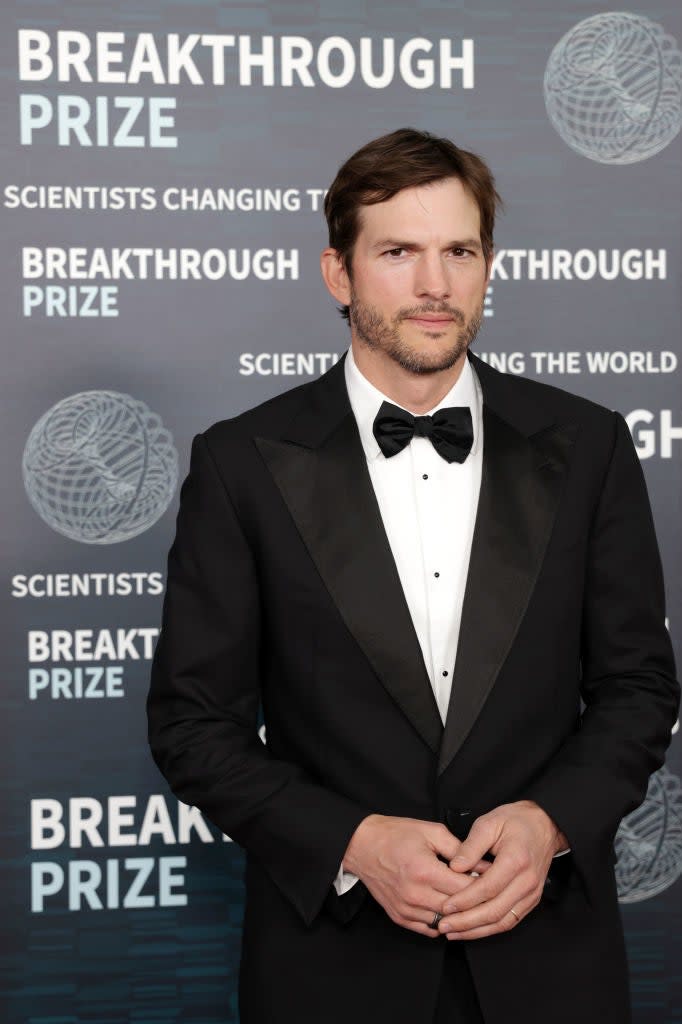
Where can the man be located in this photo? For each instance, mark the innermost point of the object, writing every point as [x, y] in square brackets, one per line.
[419, 566]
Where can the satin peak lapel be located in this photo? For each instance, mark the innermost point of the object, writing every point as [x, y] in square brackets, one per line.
[321, 471]
[521, 485]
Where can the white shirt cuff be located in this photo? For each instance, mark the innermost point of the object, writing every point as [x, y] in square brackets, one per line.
[344, 880]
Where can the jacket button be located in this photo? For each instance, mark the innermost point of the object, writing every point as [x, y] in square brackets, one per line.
[456, 818]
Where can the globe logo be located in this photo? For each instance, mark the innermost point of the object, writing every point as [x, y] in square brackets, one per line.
[649, 841]
[99, 467]
[613, 88]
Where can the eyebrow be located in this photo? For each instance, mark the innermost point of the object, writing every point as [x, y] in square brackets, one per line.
[395, 243]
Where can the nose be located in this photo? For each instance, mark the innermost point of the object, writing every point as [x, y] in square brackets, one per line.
[432, 278]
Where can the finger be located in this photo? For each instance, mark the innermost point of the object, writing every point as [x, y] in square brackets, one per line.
[481, 933]
[421, 903]
[421, 925]
[430, 918]
[483, 835]
[478, 869]
[442, 879]
[501, 873]
[447, 845]
[481, 867]
[494, 912]
[506, 923]
[441, 839]
[421, 929]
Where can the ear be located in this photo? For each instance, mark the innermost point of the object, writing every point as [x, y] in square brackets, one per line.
[335, 276]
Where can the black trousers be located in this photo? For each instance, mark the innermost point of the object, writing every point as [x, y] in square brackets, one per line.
[457, 1000]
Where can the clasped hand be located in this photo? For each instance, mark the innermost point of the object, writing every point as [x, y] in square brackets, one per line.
[398, 861]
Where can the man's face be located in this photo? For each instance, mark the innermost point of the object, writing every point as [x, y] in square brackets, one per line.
[418, 276]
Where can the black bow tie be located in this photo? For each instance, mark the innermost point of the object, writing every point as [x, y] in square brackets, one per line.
[450, 430]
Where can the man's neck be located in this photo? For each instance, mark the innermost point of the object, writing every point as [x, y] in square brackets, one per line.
[416, 392]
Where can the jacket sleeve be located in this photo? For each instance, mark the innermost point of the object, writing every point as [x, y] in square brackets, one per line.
[628, 684]
[203, 704]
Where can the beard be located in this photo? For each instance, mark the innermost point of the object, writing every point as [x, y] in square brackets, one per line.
[385, 335]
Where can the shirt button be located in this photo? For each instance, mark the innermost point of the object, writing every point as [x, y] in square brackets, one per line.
[425, 476]
[436, 574]
[445, 672]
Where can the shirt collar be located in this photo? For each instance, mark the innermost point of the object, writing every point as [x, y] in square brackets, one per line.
[365, 400]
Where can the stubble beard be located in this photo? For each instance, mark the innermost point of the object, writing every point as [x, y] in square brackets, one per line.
[380, 334]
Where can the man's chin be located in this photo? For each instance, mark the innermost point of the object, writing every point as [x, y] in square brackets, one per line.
[420, 362]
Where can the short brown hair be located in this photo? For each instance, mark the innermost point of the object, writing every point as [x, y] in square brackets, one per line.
[406, 158]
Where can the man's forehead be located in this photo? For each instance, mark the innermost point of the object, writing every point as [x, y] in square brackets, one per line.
[447, 202]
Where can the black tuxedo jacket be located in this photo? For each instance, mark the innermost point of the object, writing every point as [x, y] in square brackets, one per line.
[282, 588]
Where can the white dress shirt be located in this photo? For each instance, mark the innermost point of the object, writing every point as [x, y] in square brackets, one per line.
[428, 507]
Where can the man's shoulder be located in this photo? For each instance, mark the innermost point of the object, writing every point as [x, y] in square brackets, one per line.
[269, 418]
[536, 404]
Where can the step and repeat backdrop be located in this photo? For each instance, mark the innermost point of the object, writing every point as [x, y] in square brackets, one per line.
[163, 171]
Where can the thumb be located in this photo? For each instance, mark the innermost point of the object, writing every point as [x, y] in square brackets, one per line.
[441, 839]
[479, 841]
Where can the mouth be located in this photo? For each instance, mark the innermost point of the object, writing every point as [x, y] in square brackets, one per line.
[431, 321]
